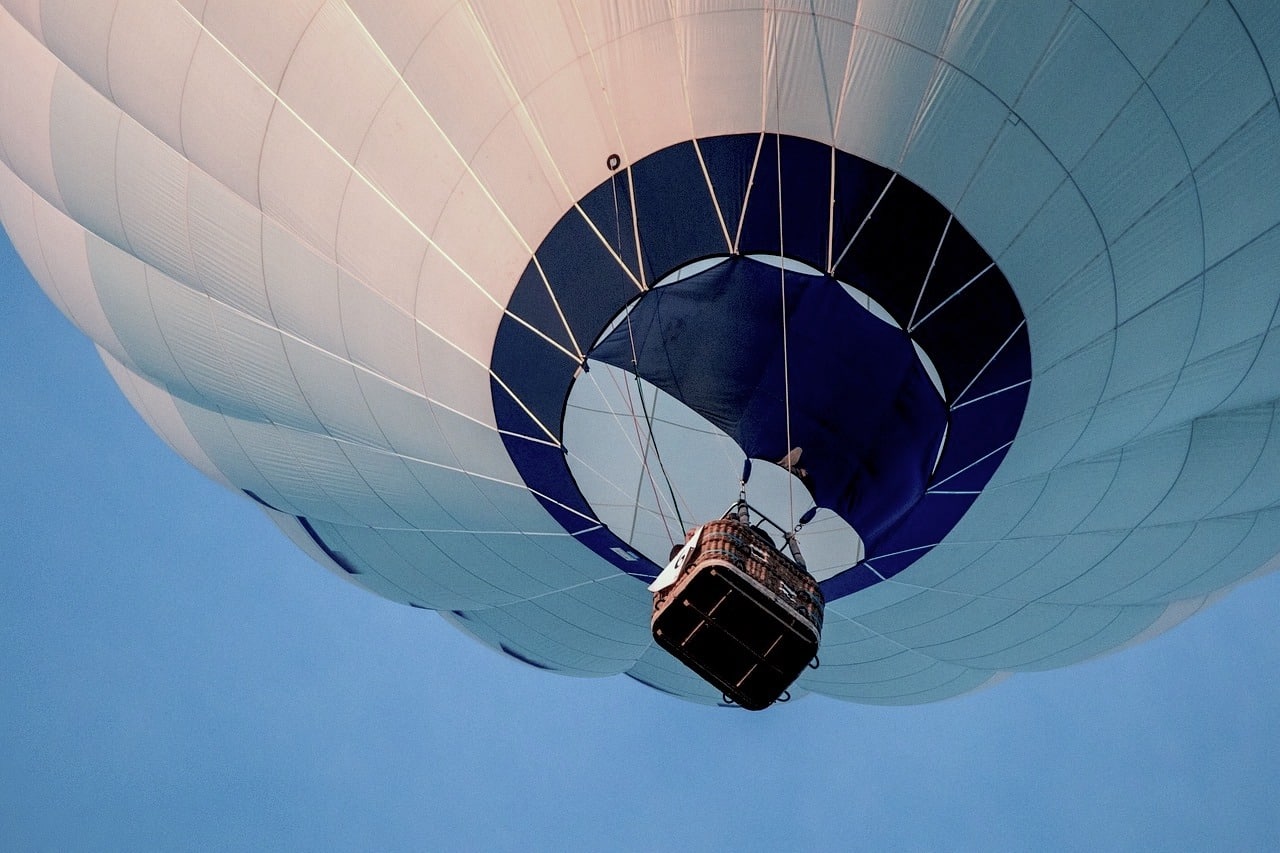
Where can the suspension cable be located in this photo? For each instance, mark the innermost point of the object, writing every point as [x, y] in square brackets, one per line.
[782, 253]
[647, 472]
[652, 442]
[653, 438]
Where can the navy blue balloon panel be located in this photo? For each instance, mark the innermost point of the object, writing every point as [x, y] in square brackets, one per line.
[802, 199]
[675, 227]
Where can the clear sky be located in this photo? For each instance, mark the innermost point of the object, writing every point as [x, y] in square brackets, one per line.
[175, 675]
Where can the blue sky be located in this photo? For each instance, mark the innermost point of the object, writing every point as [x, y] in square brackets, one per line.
[175, 675]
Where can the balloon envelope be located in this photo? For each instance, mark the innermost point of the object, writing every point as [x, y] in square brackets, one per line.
[485, 304]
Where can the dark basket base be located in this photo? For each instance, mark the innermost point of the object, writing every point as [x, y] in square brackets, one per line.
[733, 633]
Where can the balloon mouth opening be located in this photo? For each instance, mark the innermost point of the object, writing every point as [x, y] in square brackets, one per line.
[880, 357]
[758, 357]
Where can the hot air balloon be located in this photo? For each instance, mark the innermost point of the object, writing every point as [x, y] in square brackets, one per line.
[487, 303]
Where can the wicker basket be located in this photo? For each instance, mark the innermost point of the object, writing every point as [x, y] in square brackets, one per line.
[740, 614]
